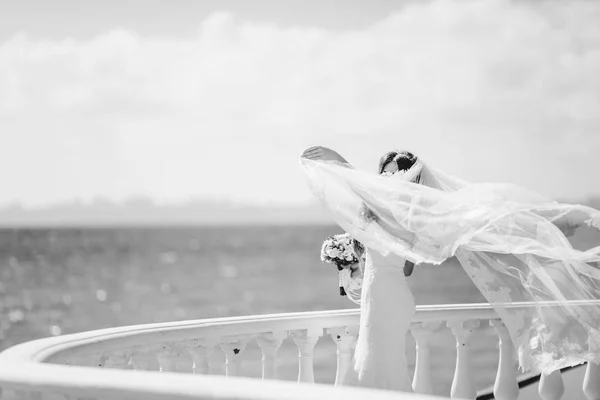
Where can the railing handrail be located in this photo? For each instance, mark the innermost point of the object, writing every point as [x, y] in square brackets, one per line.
[57, 349]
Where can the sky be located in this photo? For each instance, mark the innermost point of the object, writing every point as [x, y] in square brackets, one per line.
[179, 100]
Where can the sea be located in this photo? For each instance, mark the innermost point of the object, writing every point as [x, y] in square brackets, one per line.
[67, 280]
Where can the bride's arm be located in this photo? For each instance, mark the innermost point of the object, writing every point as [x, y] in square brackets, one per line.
[320, 153]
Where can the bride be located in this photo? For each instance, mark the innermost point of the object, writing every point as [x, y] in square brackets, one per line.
[380, 356]
[508, 240]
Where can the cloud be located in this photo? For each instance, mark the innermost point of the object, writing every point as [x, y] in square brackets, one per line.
[486, 89]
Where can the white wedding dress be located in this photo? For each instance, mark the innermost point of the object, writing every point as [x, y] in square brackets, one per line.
[509, 240]
[387, 309]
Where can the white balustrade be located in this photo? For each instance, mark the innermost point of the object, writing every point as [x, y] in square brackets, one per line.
[422, 332]
[167, 356]
[269, 344]
[92, 360]
[52, 366]
[345, 340]
[140, 358]
[462, 384]
[233, 347]
[200, 351]
[591, 381]
[506, 386]
[551, 386]
[306, 341]
[118, 359]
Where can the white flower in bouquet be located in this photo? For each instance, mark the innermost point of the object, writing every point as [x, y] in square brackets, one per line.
[338, 250]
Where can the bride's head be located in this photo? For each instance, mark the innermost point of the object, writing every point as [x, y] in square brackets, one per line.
[397, 161]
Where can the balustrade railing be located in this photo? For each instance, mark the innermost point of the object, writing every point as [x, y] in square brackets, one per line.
[69, 365]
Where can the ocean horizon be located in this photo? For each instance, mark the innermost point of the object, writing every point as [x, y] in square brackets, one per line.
[142, 212]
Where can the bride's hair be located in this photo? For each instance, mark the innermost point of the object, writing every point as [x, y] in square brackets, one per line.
[404, 160]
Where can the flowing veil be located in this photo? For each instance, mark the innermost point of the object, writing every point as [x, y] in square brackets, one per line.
[508, 240]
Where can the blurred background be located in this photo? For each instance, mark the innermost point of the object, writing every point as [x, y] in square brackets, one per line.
[149, 149]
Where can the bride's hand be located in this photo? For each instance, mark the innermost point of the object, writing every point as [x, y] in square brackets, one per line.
[320, 153]
[354, 270]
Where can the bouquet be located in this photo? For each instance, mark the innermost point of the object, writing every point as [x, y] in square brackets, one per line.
[343, 251]
[338, 250]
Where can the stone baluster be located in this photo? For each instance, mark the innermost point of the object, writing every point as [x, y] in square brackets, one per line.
[305, 341]
[462, 384]
[233, 347]
[118, 359]
[99, 360]
[90, 360]
[422, 332]
[141, 358]
[200, 351]
[167, 356]
[269, 344]
[345, 341]
[591, 381]
[506, 386]
[551, 386]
